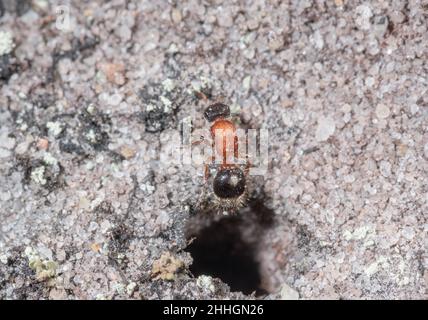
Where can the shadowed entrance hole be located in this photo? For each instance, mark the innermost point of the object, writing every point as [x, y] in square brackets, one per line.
[227, 248]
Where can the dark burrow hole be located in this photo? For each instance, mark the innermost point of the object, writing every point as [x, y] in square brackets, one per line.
[227, 248]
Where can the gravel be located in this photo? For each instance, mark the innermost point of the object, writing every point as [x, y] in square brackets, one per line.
[90, 105]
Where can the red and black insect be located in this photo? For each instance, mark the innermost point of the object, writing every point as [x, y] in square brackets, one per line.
[229, 185]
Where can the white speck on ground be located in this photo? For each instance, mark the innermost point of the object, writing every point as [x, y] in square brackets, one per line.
[341, 90]
[38, 175]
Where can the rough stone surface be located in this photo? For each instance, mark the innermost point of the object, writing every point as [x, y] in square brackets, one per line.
[90, 212]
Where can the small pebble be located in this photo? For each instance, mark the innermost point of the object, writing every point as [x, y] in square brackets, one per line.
[176, 16]
[127, 152]
[252, 24]
[326, 127]
[382, 111]
[246, 83]
[43, 144]
[288, 293]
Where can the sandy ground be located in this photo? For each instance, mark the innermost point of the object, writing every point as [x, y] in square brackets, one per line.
[92, 96]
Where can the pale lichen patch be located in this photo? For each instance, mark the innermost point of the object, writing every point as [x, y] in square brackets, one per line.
[166, 267]
[54, 128]
[205, 282]
[44, 269]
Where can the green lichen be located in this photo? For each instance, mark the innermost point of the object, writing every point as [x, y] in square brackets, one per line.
[54, 128]
[6, 42]
[91, 136]
[44, 269]
[130, 288]
[205, 282]
[91, 108]
[168, 85]
[49, 159]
